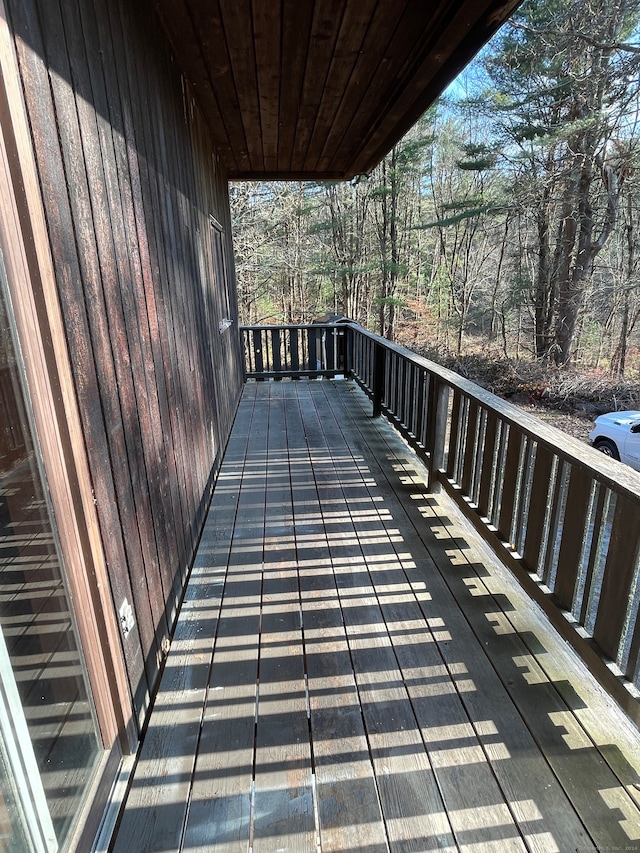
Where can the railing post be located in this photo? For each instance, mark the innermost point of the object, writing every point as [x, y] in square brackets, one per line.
[437, 427]
[378, 379]
[257, 351]
[347, 350]
[246, 352]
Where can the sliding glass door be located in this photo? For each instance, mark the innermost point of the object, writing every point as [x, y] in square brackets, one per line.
[50, 746]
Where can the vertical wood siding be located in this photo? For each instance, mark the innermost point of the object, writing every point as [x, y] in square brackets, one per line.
[129, 181]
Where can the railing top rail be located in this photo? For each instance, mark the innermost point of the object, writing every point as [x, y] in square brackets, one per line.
[284, 326]
[564, 446]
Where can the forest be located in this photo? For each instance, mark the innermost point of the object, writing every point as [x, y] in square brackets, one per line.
[505, 223]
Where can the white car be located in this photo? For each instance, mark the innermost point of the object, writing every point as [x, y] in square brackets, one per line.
[618, 435]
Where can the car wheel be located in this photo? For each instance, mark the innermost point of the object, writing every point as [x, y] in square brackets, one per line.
[607, 447]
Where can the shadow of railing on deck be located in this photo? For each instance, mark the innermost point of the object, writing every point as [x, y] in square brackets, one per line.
[563, 517]
[345, 674]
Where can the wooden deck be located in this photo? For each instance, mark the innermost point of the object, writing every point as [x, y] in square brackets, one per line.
[351, 670]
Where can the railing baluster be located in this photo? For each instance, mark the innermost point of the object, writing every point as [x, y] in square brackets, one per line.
[454, 442]
[419, 427]
[538, 503]
[294, 355]
[469, 447]
[330, 348]
[556, 522]
[257, 351]
[312, 350]
[597, 525]
[510, 481]
[487, 472]
[632, 664]
[276, 361]
[378, 380]
[616, 592]
[573, 532]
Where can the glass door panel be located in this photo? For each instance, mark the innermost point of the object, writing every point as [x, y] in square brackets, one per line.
[39, 652]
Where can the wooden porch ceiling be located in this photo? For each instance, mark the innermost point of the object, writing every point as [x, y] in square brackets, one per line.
[351, 673]
[321, 89]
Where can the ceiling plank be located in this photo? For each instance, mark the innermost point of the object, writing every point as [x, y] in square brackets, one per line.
[320, 89]
[341, 76]
[320, 50]
[237, 23]
[267, 23]
[296, 34]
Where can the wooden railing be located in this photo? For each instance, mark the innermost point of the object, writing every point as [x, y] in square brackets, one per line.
[563, 517]
[309, 350]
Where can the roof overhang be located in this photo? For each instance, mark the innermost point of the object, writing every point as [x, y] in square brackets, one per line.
[320, 89]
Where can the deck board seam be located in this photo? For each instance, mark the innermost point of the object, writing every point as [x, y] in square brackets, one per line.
[313, 475]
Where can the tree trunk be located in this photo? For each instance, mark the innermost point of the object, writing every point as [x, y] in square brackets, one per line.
[544, 296]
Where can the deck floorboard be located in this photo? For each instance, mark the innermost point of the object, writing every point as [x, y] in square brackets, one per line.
[352, 670]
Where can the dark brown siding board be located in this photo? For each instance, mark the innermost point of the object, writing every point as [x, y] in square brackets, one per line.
[111, 48]
[197, 219]
[183, 295]
[76, 281]
[122, 294]
[177, 324]
[124, 22]
[221, 355]
[96, 21]
[210, 285]
[152, 189]
[95, 218]
[205, 284]
[185, 375]
[225, 382]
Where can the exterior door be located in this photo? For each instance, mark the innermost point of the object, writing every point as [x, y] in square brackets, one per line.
[51, 745]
